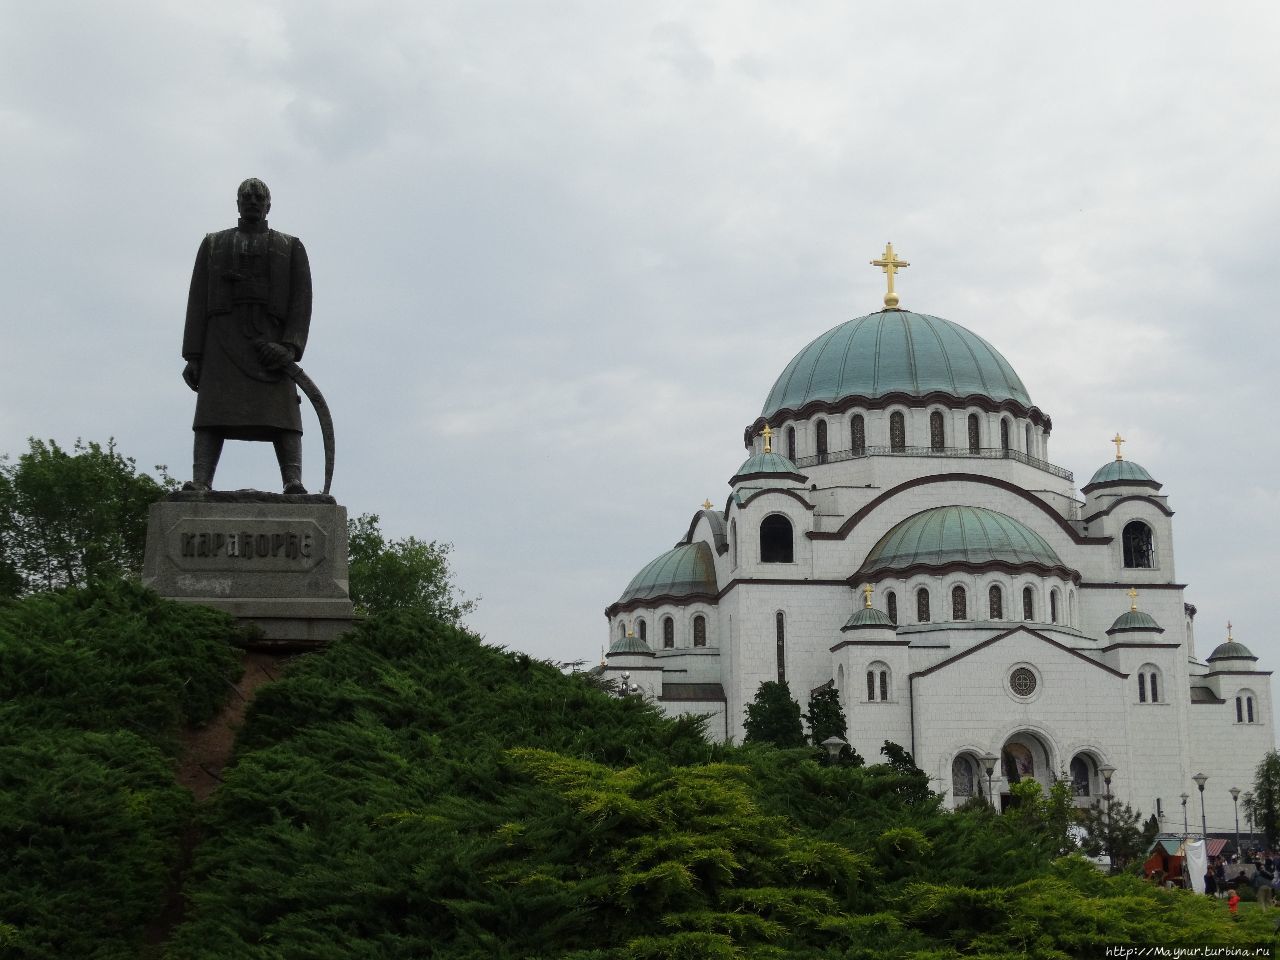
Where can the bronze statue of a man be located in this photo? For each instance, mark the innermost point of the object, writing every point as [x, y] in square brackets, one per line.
[248, 314]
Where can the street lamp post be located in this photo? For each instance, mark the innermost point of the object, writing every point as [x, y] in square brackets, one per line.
[1200, 779]
[1108, 772]
[1235, 806]
[834, 746]
[989, 765]
[1185, 798]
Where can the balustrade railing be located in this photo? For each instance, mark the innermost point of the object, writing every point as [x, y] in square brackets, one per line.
[982, 453]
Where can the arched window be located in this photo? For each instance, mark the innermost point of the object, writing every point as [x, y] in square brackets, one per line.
[791, 444]
[922, 605]
[1138, 550]
[775, 540]
[1148, 683]
[1004, 434]
[733, 540]
[1028, 604]
[1155, 687]
[622, 631]
[1071, 608]
[858, 429]
[891, 605]
[699, 631]
[1080, 776]
[642, 630]
[973, 433]
[1142, 688]
[668, 633]
[822, 441]
[781, 626]
[1053, 606]
[897, 432]
[937, 434]
[878, 681]
[1244, 707]
[1028, 435]
[959, 603]
[962, 776]
[995, 602]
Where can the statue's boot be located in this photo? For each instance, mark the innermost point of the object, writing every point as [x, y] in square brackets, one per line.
[208, 448]
[289, 453]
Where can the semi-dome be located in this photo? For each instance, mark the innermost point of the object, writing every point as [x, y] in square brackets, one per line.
[680, 572]
[767, 466]
[1122, 471]
[869, 618]
[968, 536]
[895, 351]
[1135, 621]
[1231, 650]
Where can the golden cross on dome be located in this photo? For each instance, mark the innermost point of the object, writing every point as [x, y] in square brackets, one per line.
[1117, 440]
[1228, 631]
[1133, 600]
[631, 630]
[768, 439]
[866, 590]
[890, 263]
[707, 504]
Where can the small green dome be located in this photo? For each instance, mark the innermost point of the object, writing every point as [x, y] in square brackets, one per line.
[767, 465]
[629, 644]
[1121, 471]
[895, 351]
[967, 535]
[685, 570]
[1135, 620]
[865, 617]
[1231, 650]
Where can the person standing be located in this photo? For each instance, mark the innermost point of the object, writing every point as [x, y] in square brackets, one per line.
[248, 314]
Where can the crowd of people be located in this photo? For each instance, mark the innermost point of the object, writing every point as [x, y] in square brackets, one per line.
[1227, 876]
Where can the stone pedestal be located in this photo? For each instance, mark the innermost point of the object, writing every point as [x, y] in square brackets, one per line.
[278, 561]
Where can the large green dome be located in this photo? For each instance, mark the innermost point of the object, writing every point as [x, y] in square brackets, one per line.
[680, 572]
[970, 536]
[895, 351]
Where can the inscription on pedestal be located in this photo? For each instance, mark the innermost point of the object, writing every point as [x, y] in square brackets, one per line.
[245, 544]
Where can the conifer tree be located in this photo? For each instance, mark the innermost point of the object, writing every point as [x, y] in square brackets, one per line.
[1266, 797]
[825, 718]
[773, 717]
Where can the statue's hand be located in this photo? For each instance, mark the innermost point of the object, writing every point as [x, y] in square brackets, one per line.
[191, 374]
[274, 355]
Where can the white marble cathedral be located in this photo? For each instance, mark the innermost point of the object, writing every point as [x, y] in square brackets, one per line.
[898, 531]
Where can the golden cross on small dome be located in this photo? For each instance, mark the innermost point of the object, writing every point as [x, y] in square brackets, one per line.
[1117, 440]
[768, 439]
[890, 263]
[707, 504]
[1228, 631]
[866, 590]
[631, 630]
[1133, 600]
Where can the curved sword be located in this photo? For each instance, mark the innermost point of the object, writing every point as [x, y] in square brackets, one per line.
[308, 386]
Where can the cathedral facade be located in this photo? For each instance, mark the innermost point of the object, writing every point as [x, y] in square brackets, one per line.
[898, 531]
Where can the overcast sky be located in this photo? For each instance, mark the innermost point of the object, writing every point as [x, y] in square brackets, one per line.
[561, 251]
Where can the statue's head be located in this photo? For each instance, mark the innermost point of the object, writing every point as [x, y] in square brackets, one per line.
[253, 200]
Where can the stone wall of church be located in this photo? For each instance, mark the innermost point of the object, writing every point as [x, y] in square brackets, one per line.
[1227, 751]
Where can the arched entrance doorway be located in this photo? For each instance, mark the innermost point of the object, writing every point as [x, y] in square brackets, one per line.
[1024, 756]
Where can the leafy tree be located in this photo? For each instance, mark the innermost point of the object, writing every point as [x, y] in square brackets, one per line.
[67, 518]
[407, 574]
[1116, 832]
[1265, 802]
[773, 717]
[825, 718]
[1045, 815]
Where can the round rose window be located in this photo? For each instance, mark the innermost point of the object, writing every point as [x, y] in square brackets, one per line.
[1022, 682]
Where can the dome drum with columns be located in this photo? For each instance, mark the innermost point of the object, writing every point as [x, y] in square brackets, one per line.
[898, 531]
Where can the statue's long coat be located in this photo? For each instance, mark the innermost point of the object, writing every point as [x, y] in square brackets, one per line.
[247, 287]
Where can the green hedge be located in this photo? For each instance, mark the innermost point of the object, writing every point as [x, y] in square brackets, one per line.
[95, 686]
[412, 793]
